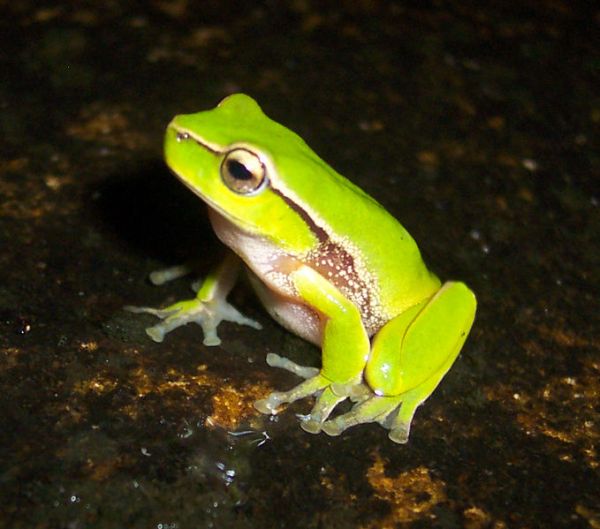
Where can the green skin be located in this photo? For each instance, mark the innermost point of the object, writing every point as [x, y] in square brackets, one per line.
[327, 261]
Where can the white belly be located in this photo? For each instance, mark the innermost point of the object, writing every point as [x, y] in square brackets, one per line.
[290, 313]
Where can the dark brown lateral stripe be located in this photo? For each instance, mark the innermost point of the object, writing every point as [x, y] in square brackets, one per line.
[334, 263]
[319, 232]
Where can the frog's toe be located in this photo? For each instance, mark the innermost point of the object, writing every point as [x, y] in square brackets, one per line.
[311, 386]
[160, 277]
[271, 404]
[326, 403]
[400, 433]
[399, 420]
[230, 313]
[159, 313]
[156, 332]
[281, 362]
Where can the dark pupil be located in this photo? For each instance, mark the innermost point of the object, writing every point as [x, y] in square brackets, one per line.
[238, 170]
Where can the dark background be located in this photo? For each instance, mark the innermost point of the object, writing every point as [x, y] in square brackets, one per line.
[474, 123]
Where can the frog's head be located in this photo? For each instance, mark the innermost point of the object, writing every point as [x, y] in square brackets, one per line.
[249, 168]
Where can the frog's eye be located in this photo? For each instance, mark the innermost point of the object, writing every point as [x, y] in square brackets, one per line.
[243, 172]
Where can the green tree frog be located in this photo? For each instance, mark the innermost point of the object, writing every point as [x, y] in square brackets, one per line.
[327, 261]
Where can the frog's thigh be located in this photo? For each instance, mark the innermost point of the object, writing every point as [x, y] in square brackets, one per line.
[413, 352]
[345, 342]
[422, 343]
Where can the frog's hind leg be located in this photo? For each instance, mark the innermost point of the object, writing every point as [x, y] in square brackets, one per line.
[398, 421]
[410, 356]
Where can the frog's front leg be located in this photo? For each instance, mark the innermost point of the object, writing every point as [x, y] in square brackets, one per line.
[207, 309]
[345, 346]
[410, 356]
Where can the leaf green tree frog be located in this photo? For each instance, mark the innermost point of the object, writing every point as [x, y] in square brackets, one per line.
[327, 261]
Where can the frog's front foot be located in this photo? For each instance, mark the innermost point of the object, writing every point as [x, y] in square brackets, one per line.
[328, 394]
[207, 314]
[315, 384]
